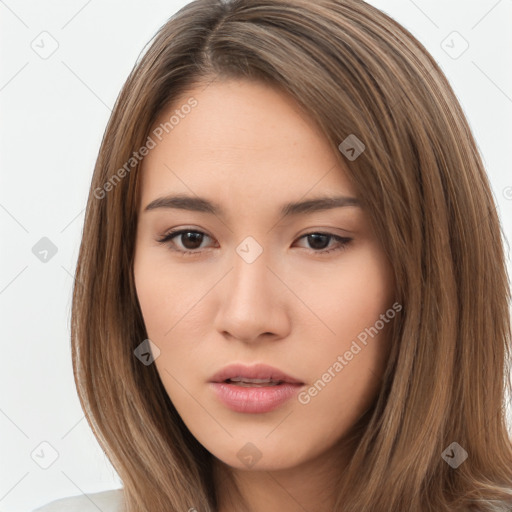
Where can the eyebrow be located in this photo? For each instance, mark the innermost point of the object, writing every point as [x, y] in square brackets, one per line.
[201, 204]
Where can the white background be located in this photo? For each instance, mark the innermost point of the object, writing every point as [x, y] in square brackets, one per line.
[54, 112]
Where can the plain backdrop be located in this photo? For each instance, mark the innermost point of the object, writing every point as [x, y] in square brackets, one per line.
[54, 109]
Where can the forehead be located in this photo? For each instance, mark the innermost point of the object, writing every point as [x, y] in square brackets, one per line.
[242, 139]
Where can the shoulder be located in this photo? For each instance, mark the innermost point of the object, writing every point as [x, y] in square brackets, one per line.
[107, 501]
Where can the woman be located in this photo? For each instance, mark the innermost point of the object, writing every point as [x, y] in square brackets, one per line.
[291, 289]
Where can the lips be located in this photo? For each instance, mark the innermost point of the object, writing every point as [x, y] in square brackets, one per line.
[255, 375]
[253, 389]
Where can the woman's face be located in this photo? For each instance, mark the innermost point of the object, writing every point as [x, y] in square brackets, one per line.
[259, 286]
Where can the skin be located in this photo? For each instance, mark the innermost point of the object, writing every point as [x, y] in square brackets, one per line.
[248, 147]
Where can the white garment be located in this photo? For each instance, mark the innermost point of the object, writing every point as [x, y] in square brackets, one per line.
[106, 501]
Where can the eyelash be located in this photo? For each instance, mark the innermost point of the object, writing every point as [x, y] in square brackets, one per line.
[169, 236]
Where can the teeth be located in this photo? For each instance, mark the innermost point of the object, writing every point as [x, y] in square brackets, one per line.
[251, 385]
[245, 379]
[242, 381]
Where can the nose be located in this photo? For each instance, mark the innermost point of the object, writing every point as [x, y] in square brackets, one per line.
[252, 302]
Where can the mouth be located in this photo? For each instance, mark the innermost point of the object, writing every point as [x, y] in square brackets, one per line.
[254, 396]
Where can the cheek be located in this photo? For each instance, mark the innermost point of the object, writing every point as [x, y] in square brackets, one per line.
[153, 295]
[366, 289]
[163, 302]
[347, 296]
[165, 294]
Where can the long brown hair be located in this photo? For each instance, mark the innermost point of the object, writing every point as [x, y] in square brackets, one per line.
[355, 72]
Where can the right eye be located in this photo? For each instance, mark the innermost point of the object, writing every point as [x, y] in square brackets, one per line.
[190, 240]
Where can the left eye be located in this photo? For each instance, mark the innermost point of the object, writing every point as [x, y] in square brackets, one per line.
[191, 241]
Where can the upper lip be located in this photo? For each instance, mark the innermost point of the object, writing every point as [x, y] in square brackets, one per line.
[257, 371]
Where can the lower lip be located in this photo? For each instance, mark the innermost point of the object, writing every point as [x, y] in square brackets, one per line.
[254, 399]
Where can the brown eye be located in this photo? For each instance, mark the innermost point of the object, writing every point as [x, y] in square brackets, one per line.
[319, 241]
[189, 239]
